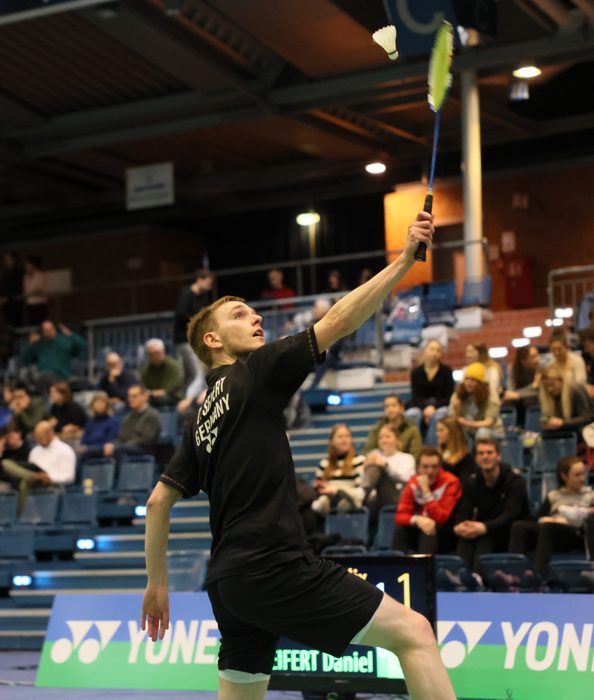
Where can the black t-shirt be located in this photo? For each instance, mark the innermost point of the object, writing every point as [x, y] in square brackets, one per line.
[188, 305]
[236, 450]
[68, 414]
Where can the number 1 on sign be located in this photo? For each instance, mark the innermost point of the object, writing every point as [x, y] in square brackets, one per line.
[405, 581]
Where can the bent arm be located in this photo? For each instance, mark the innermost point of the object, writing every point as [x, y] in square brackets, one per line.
[158, 509]
[352, 310]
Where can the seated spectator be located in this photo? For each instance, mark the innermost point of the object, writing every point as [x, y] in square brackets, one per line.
[277, 289]
[102, 427]
[140, 429]
[564, 406]
[117, 380]
[55, 459]
[559, 525]
[5, 402]
[425, 513]
[524, 380]
[35, 291]
[474, 406]
[161, 376]
[454, 449]
[432, 384]
[51, 353]
[479, 352]
[492, 499]
[67, 418]
[570, 364]
[27, 410]
[338, 478]
[14, 453]
[408, 433]
[587, 340]
[387, 470]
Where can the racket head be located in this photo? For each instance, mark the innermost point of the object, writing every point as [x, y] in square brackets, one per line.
[439, 77]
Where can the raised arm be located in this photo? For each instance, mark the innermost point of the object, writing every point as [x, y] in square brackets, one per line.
[155, 605]
[356, 307]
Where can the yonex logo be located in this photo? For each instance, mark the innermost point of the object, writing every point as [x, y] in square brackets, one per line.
[89, 649]
[454, 652]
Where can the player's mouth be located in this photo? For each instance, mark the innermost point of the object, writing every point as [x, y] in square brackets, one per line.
[258, 334]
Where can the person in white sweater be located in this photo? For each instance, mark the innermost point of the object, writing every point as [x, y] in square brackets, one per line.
[387, 470]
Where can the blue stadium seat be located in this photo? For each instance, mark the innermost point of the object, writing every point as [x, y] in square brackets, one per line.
[476, 292]
[343, 550]
[17, 543]
[385, 528]
[505, 572]
[168, 424]
[137, 474]
[509, 416]
[552, 449]
[452, 574]
[571, 576]
[512, 451]
[8, 508]
[351, 524]
[41, 508]
[187, 573]
[101, 471]
[78, 508]
[532, 421]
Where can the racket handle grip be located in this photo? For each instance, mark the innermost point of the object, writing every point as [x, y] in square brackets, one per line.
[421, 252]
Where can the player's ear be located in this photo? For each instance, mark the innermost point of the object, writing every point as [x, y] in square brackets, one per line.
[212, 340]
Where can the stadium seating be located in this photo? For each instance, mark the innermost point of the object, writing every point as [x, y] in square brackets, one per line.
[350, 525]
[532, 420]
[41, 509]
[476, 292]
[78, 509]
[101, 472]
[571, 576]
[8, 508]
[385, 528]
[505, 572]
[137, 474]
[511, 449]
[452, 574]
[509, 416]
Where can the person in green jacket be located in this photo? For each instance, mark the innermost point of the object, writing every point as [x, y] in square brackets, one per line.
[27, 410]
[161, 375]
[51, 352]
[410, 436]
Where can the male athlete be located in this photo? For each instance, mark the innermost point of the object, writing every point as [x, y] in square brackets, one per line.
[262, 581]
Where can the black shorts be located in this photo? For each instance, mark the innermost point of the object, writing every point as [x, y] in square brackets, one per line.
[309, 600]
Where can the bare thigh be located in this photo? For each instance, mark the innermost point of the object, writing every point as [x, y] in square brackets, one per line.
[241, 691]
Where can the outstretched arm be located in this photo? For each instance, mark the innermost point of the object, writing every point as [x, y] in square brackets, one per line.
[356, 307]
[155, 605]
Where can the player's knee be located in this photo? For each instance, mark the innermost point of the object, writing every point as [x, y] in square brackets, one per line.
[416, 631]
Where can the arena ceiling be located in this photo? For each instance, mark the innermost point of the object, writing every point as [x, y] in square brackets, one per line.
[262, 102]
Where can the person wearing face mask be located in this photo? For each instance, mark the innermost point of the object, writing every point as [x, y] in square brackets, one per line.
[475, 407]
[559, 525]
[424, 518]
[564, 406]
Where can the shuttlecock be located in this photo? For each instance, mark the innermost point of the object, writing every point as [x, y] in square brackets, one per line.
[386, 38]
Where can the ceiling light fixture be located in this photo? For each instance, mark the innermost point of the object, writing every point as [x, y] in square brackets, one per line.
[524, 72]
[376, 168]
[308, 218]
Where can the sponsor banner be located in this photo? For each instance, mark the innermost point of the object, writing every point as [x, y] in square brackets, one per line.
[495, 646]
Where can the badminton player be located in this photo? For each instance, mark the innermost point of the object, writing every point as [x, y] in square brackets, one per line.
[262, 581]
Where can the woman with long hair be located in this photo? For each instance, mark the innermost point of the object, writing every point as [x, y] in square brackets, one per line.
[338, 477]
[523, 381]
[454, 448]
[475, 407]
[570, 364]
[479, 352]
[66, 416]
[564, 406]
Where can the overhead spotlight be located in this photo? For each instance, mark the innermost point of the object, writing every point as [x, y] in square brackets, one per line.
[498, 352]
[564, 312]
[532, 332]
[308, 218]
[519, 91]
[376, 168]
[520, 342]
[525, 72]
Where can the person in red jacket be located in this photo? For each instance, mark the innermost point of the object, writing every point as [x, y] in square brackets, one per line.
[424, 517]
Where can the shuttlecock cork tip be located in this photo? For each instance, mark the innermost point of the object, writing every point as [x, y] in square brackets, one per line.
[386, 38]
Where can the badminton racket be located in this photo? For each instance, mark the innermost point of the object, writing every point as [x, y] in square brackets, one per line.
[439, 80]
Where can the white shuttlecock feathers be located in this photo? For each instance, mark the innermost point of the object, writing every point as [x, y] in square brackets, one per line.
[386, 38]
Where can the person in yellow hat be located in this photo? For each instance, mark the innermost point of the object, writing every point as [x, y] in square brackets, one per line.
[475, 407]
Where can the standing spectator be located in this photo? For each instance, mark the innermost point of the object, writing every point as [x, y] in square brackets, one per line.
[492, 499]
[102, 427]
[161, 375]
[425, 513]
[570, 364]
[524, 380]
[408, 433]
[479, 352]
[11, 289]
[52, 352]
[66, 417]
[559, 525]
[432, 385]
[587, 339]
[55, 459]
[387, 470]
[27, 410]
[35, 292]
[338, 478]
[277, 289]
[365, 275]
[474, 406]
[335, 283]
[191, 300]
[140, 429]
[454, 449]
[564, 406]
[117, 380]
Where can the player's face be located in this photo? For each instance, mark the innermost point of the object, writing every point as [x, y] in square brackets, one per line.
[239, 328]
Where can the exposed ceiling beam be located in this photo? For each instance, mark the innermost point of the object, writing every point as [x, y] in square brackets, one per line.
[586, 6]
[14, 112]
[537, 16]
[555, 9]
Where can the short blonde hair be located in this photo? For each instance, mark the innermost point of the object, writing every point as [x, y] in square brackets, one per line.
[202, 323]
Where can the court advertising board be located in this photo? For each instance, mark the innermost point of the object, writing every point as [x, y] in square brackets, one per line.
[497, 646]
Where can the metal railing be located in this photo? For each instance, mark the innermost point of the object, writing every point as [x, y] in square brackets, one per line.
[568, 285]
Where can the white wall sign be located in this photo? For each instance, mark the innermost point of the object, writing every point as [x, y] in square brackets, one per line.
[150, 186]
